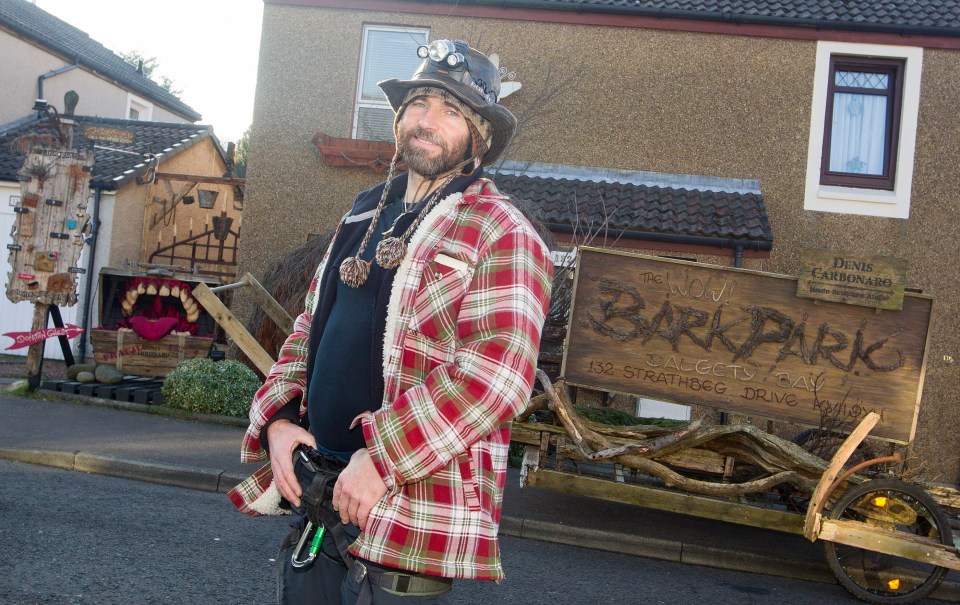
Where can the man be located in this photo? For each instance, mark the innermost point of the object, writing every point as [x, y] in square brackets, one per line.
[417, 347]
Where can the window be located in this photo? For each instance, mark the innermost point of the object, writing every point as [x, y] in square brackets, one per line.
[862, 117]
[388, 52]
[139, 109]
[863, 129]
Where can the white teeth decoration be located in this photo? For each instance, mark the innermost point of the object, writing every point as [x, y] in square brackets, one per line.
[191, 306]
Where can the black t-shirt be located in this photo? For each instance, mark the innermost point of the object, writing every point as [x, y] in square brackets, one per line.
[341, 385]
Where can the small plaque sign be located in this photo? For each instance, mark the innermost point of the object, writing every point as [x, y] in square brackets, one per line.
[79, 270]
[20, 210]
[58, 235]
[868, 281]
[52, 202]
[14, 247]
[106, 134]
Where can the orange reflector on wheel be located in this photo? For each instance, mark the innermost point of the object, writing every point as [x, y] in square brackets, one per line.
[894, 584]
[880, 501]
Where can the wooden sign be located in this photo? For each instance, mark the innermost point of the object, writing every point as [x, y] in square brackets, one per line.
[870, 281]
[50, 221]
[743, 341]
[25, 339]
[106, 134]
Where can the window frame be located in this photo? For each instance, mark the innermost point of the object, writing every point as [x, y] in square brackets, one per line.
[382, 103]
[143, 106]
[853, 198]
[892, 67]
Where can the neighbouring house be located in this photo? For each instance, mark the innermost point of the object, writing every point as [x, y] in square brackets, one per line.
[162, 202]
[43, 57]
[162, 190]
[736, 133]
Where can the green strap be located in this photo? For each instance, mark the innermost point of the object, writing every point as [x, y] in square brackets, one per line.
[410, 584]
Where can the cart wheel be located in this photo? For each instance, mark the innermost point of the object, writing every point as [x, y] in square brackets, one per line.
[879, 578]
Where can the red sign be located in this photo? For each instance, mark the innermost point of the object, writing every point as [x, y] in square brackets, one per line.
[25, 339]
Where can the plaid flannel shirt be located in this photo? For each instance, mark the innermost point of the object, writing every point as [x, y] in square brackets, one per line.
[460, 349]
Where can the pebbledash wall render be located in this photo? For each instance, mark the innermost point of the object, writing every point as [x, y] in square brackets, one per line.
[634, 94]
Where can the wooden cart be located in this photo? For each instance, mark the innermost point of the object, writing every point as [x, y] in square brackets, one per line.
[742, 341]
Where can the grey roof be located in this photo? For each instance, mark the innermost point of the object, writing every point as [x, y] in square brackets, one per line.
[914, 17]
[74, 45]
[114, 163]
[686, 209]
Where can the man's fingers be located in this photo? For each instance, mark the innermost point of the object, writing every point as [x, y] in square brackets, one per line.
[362, 515]
[286, 482]
[344, 510]
[358, 489]
[337, 493]
[284, 437]
[278, 476]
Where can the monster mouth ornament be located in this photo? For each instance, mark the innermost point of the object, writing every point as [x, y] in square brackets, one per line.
[164, 290]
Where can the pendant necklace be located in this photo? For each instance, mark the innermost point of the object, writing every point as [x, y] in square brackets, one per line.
[354, 271]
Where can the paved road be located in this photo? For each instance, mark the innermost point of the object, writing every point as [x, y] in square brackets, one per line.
[77, 539]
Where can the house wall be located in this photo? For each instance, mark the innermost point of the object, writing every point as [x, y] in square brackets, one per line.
[635, 99]
[21, 63]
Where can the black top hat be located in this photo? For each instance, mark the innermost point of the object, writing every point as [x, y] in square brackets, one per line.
[468, 75]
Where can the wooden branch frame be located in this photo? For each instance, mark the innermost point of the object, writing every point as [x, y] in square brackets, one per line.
[784, 462]
[812, 523]
[234, 329]
[661, 499]
[890, 542]
[693, 496]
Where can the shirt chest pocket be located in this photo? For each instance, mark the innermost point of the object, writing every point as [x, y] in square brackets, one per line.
[443, 285]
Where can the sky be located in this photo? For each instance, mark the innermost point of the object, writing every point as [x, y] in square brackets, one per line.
[209, 48]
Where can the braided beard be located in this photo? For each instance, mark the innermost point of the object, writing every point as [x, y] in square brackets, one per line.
[451, 153]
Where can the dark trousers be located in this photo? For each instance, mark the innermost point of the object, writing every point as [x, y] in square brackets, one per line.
[326, 580]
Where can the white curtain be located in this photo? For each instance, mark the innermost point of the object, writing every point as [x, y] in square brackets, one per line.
[859, 129]
[389, 54]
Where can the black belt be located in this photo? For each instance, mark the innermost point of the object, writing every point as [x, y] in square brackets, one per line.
[317, 474]
[413, 584]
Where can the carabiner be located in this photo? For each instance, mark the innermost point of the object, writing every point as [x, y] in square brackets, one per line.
[295, 559]
[295, 556]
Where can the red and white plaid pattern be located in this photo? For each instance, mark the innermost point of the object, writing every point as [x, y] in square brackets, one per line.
[460, 349]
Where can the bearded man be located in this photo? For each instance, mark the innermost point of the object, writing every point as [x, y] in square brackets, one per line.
[417, 347]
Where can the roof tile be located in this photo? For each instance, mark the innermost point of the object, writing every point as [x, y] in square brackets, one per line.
[644, 211]
[924, 17]
[113, 162]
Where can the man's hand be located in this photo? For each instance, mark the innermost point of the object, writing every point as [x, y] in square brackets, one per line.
[283, 437]
[358, 489]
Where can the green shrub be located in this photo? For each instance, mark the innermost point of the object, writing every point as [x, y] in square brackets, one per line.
[209, 387]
